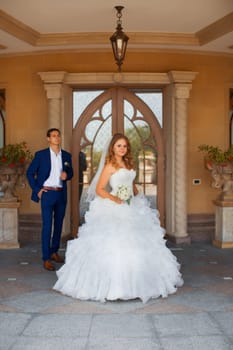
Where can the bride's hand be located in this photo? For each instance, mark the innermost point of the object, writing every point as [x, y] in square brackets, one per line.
[117, 199]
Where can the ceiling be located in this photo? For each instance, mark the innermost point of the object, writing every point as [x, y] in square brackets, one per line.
[41, 26]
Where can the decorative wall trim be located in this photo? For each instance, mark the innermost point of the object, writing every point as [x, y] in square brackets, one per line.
[176, 115]
[21, 31]
[215, 30]
[18, 29]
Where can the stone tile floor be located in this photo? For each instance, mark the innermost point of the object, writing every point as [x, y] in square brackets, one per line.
[198, 317]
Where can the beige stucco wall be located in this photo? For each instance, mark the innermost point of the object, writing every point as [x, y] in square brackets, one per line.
[26, 103]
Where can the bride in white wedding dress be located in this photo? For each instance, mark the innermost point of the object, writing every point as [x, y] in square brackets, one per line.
[121, 252]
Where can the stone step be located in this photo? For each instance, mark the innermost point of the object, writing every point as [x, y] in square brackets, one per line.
[29, 228]
[201, 227]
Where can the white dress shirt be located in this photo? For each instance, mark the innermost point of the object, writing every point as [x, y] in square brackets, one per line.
[56, 168]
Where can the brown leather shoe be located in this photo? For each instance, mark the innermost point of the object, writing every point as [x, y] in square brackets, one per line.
[57, 258]
[48, 265]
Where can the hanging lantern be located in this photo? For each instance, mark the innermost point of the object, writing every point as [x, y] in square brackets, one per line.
[119, 40]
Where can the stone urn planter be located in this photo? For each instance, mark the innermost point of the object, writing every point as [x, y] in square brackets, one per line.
[220, 165]
[9, 179]
[14, 159]
[13, 163]
[222, 175]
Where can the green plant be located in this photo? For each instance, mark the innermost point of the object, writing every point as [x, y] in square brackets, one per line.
[216, 154]
[12, 155]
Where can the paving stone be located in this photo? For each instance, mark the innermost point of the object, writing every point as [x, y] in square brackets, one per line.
[109, 343]
[49, 343]
[13, 323]
[59, 326]
[6, 341]
[37, 301]
[197, 317]
[225, 320]
[121, 326]
[196, 343]
[185, 324]
[204, 300]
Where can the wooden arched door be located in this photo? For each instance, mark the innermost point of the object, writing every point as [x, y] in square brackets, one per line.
[119, 110]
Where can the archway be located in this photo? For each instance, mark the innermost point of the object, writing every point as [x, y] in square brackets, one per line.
[119, 110]
[177, 85]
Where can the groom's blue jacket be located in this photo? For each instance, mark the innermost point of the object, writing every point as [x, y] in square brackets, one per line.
[39, 170]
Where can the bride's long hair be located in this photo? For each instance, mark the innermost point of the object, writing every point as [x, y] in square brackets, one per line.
[127, 158]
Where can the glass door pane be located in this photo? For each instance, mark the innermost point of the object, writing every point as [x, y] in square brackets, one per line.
[144, 151]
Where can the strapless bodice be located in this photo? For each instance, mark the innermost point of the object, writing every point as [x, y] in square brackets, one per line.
[122, 177]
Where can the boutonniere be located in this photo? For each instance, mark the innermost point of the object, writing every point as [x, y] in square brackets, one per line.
[66, 166]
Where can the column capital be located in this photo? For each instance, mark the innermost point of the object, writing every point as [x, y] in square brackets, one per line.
[182, 90]
[176, 76]
[53, 90]
[53, 77]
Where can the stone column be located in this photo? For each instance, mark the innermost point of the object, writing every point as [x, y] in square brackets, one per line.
[60, 117]
[175, 130]
[54, 92]
[181, 96]
[53, 84]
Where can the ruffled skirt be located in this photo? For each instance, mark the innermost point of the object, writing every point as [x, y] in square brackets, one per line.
[120, 253]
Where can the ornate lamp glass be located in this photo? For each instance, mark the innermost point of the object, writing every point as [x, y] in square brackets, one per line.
[119, 40]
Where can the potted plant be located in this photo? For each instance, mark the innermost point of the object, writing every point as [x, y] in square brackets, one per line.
[13, 161]
[214, 154]
[13, 155]
[220, 164]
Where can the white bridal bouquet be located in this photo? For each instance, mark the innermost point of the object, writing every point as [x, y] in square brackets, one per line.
[124, 193]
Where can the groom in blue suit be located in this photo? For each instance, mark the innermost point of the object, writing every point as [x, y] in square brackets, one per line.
[47, 175]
